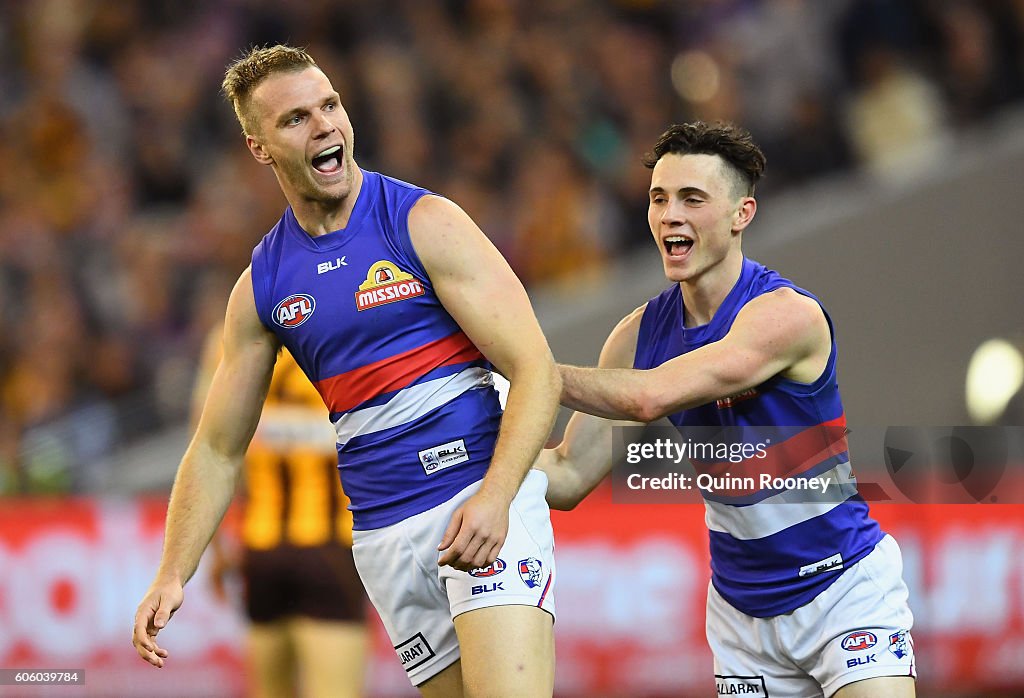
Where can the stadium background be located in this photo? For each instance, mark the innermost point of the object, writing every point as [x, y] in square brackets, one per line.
[894, 133]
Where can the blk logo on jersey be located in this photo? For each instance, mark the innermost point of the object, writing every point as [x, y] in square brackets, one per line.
[496, 567]
[294, 310]
[859, 640]
[444, 456]
[324, 267]
[531, 570]
[386, 283]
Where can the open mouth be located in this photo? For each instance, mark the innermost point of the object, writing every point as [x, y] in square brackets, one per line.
[328, 161]
[677, 245]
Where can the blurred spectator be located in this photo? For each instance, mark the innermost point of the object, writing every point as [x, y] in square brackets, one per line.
[128, 202]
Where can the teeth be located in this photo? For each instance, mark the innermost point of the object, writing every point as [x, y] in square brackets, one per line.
[329, 151]
[677, 238]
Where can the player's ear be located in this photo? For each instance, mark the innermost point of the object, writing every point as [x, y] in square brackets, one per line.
[744, 213]
[258, 150]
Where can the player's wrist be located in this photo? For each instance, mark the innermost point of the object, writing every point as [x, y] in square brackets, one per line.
[499, 491]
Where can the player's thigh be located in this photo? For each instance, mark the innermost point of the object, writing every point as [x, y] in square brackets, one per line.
[330, 657]
[445, 684]
[271, 659]
[507, 651]
[879, 687]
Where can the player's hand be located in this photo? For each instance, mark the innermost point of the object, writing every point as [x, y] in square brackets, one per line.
[156, 609]
[475, 533]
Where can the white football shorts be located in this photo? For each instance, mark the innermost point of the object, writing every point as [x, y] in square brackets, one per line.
[417, 600]
[858, 628]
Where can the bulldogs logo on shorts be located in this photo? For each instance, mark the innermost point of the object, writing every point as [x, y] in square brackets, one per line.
[900, 644]
[531, 570]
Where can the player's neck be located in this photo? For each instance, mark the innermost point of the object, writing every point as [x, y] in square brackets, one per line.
[319, 217]
[704, 295]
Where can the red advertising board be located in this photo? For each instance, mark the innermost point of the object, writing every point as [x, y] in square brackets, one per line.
[631, 583]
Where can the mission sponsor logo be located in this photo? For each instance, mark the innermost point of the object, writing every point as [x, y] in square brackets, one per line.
[386, 283]
[294, 310]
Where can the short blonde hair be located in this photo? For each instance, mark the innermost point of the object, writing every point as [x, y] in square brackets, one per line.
[247, 72]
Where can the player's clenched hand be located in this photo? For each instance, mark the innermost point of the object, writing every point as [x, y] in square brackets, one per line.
[159, 604]
[475, 533]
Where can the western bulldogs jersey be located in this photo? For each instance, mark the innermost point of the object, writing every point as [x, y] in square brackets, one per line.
[772, 550]
[410, 396]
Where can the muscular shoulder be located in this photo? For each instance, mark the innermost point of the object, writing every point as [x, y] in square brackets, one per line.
[788, 308]
[443, 234]
[241, 321]
[791, 322]
[434, 215]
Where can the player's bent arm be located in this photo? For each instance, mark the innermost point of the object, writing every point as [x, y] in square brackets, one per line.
[209, 471]
[771, 335]
[485, 298]
[585, 455]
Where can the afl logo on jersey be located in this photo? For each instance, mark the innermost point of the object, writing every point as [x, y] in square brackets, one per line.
[386, 283]
[294, 310]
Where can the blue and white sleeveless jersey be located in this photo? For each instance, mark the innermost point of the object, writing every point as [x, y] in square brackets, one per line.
[772, 550]
[410, 396]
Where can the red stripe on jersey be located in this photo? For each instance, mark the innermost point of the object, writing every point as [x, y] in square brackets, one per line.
[795, 455]
[352, 388]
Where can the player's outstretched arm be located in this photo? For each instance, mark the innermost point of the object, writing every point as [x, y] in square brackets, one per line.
[487, 300]
[209, 471]
[781, 332]
[585, 455]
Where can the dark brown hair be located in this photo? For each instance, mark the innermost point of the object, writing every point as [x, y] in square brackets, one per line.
[731, 143]
[255, 66]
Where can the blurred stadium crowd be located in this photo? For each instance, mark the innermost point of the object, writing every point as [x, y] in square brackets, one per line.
[128, 204]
